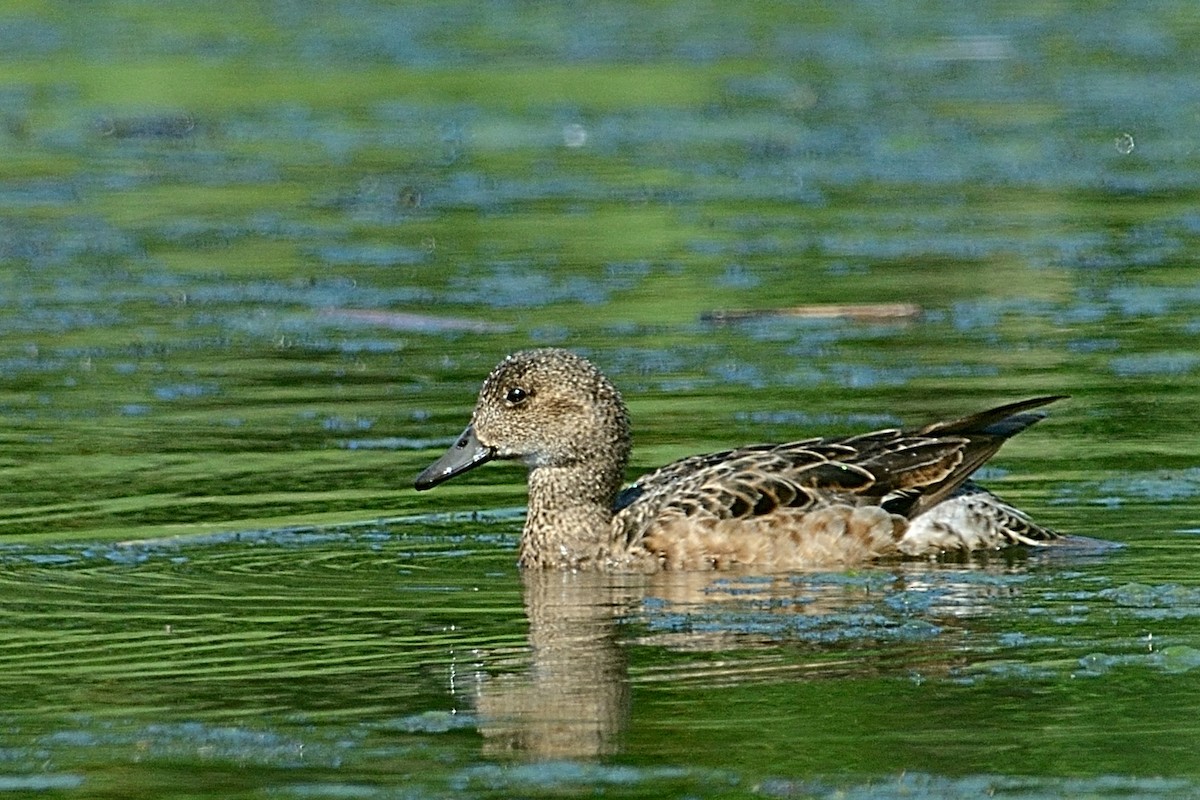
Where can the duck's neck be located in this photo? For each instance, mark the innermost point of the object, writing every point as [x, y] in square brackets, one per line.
[569, 519]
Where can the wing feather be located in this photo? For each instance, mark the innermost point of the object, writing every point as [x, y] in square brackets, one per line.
[904, 472]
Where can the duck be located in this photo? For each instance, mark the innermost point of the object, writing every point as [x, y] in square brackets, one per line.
[815, 503]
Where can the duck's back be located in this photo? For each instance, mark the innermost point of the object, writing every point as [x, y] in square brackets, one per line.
[814, 502]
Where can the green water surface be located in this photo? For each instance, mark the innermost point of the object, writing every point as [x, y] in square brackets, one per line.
[255, 260]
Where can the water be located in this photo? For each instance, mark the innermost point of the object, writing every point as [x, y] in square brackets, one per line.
[254, 263]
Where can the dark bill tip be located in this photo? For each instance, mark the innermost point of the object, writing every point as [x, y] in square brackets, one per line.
[464, 454]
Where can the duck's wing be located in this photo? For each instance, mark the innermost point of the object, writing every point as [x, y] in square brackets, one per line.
[754, 481]
[743, 482]
[905, 472]
[985, 432]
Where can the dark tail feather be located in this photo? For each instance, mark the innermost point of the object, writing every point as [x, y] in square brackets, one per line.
[984, 432]
[1002, 421]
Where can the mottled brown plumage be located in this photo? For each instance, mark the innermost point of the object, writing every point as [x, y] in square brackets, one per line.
[811, 503]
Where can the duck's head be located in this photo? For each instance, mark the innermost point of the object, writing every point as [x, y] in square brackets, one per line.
[546, 408]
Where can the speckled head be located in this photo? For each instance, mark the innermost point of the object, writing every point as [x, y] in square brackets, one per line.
[547, 408]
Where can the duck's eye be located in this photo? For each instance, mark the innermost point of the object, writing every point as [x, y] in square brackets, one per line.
[516, 396]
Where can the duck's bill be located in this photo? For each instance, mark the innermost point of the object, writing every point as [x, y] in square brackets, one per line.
[464, 454]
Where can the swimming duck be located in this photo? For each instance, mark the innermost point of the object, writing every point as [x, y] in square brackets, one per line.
[771, 507]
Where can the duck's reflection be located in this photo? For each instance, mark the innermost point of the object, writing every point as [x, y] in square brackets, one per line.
[573, 700]
[569, 697]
